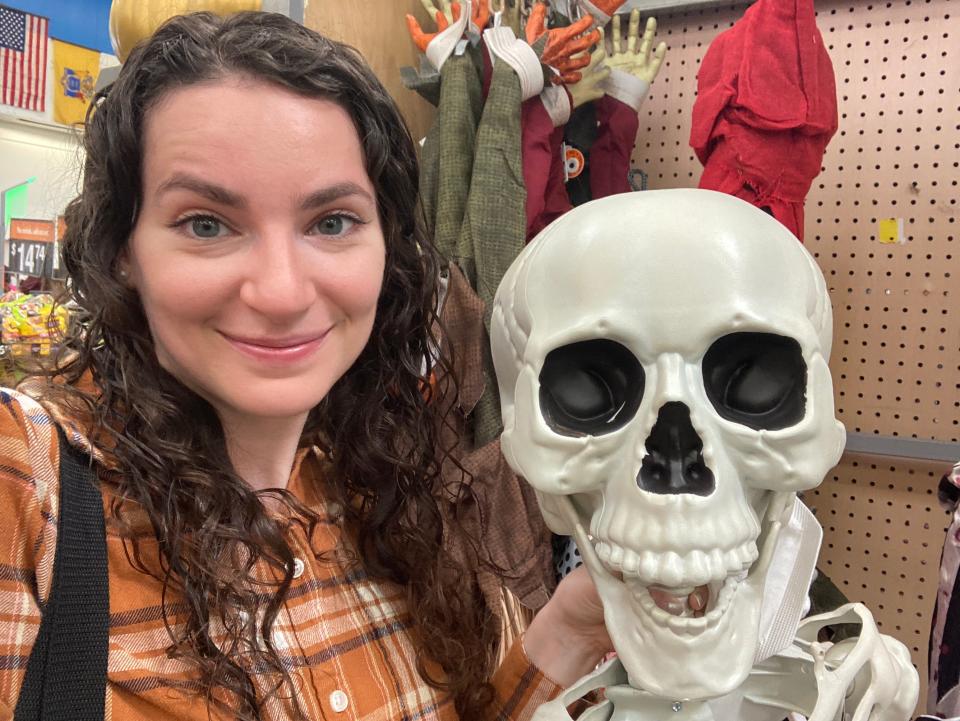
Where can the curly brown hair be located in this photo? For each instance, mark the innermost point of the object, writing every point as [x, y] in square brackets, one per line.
[377, 422]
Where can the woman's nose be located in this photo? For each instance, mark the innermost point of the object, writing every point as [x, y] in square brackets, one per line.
[279, 281]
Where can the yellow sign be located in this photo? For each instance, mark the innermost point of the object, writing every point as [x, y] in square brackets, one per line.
[75, 71]
[891, 231]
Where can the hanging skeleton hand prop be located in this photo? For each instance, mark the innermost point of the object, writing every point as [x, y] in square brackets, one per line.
[450, 10]
[566, 48]
[451, 25]
[600, 10]
[590, 86]
[637, 57]
[422, 39]
[480, 15]
[635, 66]
[510, 14]
[662, 360]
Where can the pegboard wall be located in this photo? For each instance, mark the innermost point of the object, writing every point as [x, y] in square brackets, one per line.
[896, 353]
[883, 531]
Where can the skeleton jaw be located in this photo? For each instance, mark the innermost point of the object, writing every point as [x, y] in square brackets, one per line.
[674, 577]
[715, 574]
[721, 595]
[696, 657]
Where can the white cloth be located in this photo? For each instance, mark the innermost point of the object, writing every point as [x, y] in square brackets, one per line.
[504, 45]
[443, 45]
[626, 88]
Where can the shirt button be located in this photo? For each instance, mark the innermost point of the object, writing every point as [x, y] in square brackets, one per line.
[339, 701]
[280, 640]
[298, 567]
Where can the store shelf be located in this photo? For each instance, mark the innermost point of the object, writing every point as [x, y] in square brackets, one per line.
[659, 6]
[912, 448]
[14, 119]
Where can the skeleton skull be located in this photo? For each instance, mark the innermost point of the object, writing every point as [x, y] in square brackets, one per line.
[662, 362]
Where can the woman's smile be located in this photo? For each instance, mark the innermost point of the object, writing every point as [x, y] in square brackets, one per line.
[278, 350]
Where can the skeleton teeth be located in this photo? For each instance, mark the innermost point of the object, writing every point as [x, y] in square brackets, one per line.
[721, 595]
[697, 567]
[671, 570]
[680, 523]
[723, 599]
[648, 565]
[683, 624]
[747, 554]
[686, 625]
[715, 560]
[616, 556]
[646, 600]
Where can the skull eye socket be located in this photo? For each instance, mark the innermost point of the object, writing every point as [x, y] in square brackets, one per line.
[590, 388]
[757, 379]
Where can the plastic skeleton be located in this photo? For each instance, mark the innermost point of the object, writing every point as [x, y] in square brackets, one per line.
[662, 361]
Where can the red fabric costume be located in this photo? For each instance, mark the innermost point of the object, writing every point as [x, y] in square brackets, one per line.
[542, 167]
[543, 175]
[766, 108]
[617, 127]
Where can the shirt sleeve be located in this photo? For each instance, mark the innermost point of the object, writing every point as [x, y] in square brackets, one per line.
[541, 165]
[521, 687]
[29, 496]
[618, 124]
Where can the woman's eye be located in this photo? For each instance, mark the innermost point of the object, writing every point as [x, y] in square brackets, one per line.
[206, 227]
[335, 224]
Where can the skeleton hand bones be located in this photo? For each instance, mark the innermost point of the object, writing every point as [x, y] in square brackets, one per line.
[642, 62]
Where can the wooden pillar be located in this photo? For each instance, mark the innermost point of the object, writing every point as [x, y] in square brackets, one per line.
[378, 30]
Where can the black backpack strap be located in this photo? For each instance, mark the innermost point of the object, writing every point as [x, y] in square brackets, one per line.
[66, 675]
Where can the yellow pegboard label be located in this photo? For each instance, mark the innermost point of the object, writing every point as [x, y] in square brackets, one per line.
[891, 231]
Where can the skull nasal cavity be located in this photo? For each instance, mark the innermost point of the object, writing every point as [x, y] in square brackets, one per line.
[674, 460]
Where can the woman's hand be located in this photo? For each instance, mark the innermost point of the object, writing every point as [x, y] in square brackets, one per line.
[567, 638]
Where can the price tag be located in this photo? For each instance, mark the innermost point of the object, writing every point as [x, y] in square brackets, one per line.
[55, 264]
[29, 257]
[890, 231]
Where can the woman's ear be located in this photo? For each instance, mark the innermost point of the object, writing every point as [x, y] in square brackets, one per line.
[123, 269]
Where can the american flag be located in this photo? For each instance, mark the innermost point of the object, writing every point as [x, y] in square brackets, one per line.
[23, 59]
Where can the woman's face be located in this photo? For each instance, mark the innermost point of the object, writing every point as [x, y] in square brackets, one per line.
[258, 252]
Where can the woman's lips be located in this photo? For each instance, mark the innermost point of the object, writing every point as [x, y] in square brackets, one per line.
[278, 350]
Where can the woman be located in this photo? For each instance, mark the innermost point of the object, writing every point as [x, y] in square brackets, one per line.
[248, 380]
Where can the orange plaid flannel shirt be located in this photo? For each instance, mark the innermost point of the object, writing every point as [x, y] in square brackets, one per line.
[345, 637]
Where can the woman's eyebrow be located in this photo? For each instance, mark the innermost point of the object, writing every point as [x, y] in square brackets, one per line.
[329, 194]
[216, 193]
[223, 196]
